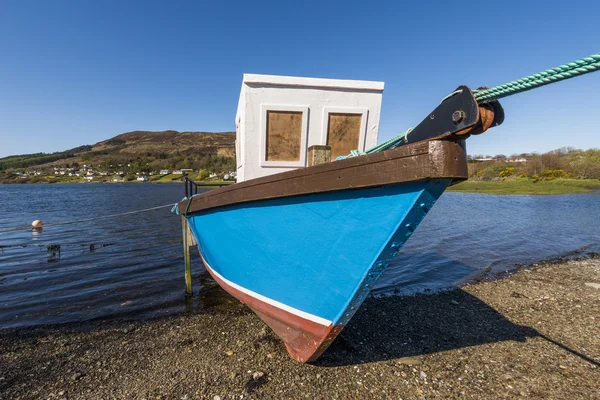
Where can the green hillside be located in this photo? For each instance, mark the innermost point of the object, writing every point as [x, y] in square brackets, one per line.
[130, 153]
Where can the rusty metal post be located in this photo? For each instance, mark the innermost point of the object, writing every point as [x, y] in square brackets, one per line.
[186, 256]
[319, 154]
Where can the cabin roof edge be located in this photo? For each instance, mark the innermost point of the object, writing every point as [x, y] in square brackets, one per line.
[312, 82]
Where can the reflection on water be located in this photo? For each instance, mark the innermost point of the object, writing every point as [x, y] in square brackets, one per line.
[133, 266]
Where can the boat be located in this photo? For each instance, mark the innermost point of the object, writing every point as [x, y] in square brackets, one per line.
[303, 248]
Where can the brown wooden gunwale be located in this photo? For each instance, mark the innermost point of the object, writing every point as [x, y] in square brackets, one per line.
[424, 160]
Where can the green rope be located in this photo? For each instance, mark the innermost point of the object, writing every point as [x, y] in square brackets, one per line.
[567, 71]
[388, 144]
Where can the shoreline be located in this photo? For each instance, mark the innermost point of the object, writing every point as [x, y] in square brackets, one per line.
[509, 186]
[207, 184]
[527, 186]
[533, 333]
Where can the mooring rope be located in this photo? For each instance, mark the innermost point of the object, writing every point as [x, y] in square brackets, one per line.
[22, 228]
[560, 73]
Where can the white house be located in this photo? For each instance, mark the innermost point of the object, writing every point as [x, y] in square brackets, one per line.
[165, 171]
[142, 178]
[280, 117]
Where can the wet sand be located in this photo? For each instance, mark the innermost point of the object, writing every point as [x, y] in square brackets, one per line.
[534, 334]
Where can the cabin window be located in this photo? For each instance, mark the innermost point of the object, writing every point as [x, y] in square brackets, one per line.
[284, 135]
[343, 133]
[344, 130]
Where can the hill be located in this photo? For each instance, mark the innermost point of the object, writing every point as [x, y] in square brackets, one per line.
[131, 153]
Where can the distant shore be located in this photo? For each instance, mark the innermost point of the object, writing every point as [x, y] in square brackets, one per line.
[531, 335]
[528, 186]
[63, 180]
[507, 186]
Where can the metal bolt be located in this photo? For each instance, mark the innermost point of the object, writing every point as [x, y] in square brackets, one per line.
[458, 116]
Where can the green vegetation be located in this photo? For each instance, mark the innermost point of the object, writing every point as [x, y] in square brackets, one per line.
[28, 160]
[565, 170]
[528, 186]
[167, 178]
[566, 162]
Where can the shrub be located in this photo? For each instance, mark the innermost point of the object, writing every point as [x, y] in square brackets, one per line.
[549, 174]
[491, 171]
[506, 172]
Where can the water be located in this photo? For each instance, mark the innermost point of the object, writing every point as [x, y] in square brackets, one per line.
[135, 266]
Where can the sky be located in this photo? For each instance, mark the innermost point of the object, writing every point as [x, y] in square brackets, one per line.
[78, 72]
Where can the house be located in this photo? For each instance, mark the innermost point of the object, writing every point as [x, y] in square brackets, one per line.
[165, 171]
[186, 170]
[177, 172]
[280, 117]
[142, 178]
[117, 179]
[226, 177]
[212, 175]
[89, 177]
[518, 160]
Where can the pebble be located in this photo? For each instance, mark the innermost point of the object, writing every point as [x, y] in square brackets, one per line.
[423, 376]
[217, 398]
[129, 329]
[76, 376]
[257, 375]
[593, 284]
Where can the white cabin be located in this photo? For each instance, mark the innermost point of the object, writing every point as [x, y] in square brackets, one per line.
[280, 117]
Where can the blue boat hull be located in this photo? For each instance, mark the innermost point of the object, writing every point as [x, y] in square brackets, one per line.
[305, 263]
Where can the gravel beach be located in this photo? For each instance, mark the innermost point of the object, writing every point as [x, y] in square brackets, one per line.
[533, 334]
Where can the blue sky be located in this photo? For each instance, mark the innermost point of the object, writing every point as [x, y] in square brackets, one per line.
[78, 72]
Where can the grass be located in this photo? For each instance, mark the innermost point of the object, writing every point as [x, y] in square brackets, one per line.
[166, 178]
[215, 183]
[528, 186]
